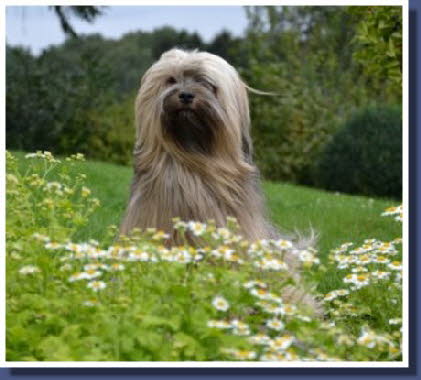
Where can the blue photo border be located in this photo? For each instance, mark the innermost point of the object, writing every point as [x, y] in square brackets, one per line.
[306, 373]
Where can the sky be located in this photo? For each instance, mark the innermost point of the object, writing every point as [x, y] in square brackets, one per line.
[37, 27]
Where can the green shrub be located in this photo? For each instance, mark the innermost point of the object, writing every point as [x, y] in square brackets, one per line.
[365, 156]
[113, 132]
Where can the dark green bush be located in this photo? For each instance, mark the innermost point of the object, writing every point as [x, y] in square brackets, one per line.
[365, 155]
[113, 132]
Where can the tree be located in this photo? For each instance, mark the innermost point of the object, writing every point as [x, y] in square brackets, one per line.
[167, 37]
[378, 47]
[304, 55]
[229, 47]
[84, 13]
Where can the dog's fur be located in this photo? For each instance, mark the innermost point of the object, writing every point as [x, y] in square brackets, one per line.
[193, 153]
[194, 160]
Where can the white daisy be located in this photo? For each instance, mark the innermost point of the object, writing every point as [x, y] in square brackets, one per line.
[275, 324]
[97, 285]
[220, 303]
[197, 228]
[29, 269]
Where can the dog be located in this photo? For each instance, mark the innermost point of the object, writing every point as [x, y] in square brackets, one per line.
[193, 151]
[193, 156]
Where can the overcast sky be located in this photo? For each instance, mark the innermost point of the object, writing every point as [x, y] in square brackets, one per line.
[37, 27]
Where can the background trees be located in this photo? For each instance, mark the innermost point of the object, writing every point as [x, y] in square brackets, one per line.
[324, 63]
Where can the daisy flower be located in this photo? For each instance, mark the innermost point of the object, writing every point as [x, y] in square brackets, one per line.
[330, 296]
[367, 339]
[219, 324]
[240, 328]
[363, 260]
[77, 276]
[392, 211]
[220, 303]
[281, 342]
[395, 265]
[308, 257]
[53, 245]
[342, 292]
[92, 273]
[160, 235]
[85, 192]
[222, 251]
[198, 229]
[232, 256]
[288, 309]
[275, 324]
[91, 302]
[139, 256]
[271, 308]
[41, 237]
[272, 264]
[95, 266]
[359, 269]
[244, 354]
[260, 339]
[252, 284]
[29, 269]
[182, 256]
[97, 285]
[221, 233]
[260, 293]
[381, 259]
[282, 244]
[380, 275]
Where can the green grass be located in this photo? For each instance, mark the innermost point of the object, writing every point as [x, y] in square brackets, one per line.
[336, 218]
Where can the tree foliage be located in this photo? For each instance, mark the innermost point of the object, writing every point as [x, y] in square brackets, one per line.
[323, 64]
[378, 46]
[297, 52]
[85, 13]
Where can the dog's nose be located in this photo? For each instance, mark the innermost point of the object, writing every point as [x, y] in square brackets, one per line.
[186, 97]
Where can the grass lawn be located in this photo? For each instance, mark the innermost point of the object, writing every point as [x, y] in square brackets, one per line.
[337, 218]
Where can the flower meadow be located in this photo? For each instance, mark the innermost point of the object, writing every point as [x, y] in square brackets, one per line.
[135, 298]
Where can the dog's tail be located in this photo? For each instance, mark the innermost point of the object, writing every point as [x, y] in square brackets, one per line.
[303, 240]
[259, 92]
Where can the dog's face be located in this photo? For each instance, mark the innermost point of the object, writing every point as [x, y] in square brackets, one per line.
[191, 113]
[193, 102]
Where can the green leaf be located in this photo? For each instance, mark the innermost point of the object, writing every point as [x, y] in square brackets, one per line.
[150, 339]
[155, 321]
[391, 50]
[55, 349]
[189, 346]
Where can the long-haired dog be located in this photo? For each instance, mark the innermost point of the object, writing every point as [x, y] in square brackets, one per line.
[193, 151]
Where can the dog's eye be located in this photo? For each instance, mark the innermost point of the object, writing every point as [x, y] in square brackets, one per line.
[171, 80]
[206, 83]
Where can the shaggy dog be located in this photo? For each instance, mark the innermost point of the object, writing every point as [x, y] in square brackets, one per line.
[193, 152]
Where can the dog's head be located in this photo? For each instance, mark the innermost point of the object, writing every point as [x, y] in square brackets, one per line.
[193, 103]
